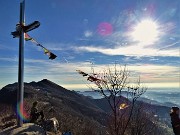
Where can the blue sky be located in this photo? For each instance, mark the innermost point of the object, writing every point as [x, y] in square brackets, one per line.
[144, 35]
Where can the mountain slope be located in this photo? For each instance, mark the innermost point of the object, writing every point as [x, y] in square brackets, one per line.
[70, 108]
[45, 90]
[75, 112]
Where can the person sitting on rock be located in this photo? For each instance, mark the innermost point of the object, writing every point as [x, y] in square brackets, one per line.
[35, 114]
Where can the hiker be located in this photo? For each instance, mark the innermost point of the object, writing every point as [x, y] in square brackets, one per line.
[35, 114]
[175, 120]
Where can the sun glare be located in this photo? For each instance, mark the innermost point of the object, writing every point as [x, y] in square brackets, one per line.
[145, 32]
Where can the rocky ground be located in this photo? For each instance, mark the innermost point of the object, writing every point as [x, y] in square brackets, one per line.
[26, 129]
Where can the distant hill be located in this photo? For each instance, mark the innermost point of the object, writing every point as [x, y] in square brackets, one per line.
[74, 111]
[162, 112]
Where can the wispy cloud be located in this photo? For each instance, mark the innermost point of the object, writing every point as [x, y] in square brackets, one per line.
[132, 50]
[121, 42]
[65, 73]
[151, 75]
[5, 47]
[156, 73]
[170, 45]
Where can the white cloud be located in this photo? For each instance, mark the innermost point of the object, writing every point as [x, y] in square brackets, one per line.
[88, 33]
[163, 85]
[122, 43]
[156, 73]
[150, 75]
[15, 59]
[132, 50]
[65, 73]
[54, 46]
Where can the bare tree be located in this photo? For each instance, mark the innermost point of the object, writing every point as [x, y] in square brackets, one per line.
[143, 121]
[112, 83]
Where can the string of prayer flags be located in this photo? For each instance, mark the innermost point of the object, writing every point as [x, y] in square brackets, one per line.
[90, 78]
[46, 51]
[82, 73]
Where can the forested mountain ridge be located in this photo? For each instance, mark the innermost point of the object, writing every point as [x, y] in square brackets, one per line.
[75, 112]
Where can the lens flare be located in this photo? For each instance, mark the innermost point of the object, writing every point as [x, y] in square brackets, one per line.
[105, 29]
[22, 114]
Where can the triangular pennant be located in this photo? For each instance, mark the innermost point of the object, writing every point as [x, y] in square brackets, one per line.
[52, 56]
[27, 37]
[81, 72]
[46, 50]
[92, 79]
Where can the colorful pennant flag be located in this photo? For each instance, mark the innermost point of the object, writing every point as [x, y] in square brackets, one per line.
[92, 79]
[46, 51]
[50, 54]
[27, 37]
[81, 72]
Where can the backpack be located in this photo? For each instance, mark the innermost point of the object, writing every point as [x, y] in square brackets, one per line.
[67, 133]
[52, 125]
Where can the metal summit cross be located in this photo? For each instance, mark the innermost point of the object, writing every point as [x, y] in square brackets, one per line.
[21, 28]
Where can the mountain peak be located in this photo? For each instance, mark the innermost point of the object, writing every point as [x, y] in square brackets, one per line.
[49, 84]
[46, 81]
